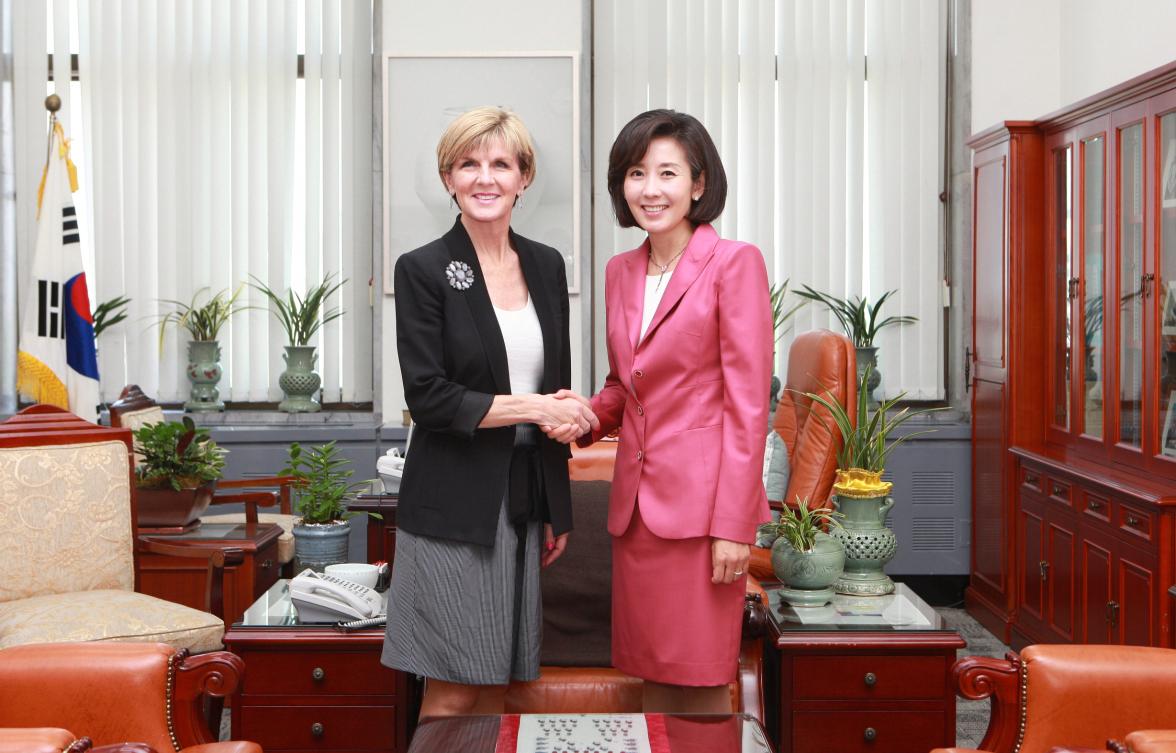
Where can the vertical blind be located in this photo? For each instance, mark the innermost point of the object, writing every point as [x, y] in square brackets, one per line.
[833, 173]
[205, 158]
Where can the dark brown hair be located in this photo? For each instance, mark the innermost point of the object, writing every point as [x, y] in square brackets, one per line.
[632, 143]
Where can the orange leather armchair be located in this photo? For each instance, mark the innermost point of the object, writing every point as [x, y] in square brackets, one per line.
[1075, 697]
[148, 693]
[820, 362]
[589, 685]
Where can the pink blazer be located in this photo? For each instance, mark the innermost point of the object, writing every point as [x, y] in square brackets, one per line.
[691, 398]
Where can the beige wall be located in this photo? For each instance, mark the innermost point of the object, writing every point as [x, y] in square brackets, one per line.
[463, 26]
[1031, 57]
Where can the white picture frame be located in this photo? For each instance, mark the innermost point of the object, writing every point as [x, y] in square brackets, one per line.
[424, 93]
[1168, 311]
[1168, 437]
[1168, 176]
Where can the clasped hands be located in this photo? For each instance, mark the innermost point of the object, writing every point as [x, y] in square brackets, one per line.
[566, 416]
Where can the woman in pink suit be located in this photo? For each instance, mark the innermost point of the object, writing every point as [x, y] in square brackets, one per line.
[690, 361]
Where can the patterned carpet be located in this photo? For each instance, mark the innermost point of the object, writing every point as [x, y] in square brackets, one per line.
[972, 716]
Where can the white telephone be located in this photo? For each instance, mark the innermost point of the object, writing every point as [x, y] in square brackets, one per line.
[325, 598]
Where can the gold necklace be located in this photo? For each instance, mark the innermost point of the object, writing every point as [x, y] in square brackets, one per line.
[663, 267]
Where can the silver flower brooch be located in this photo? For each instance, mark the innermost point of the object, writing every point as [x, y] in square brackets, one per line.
[460, 275]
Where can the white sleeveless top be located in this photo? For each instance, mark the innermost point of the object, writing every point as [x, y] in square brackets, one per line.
[524, 347]
[653, 296]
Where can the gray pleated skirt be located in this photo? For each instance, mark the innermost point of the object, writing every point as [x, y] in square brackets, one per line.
[451, 608]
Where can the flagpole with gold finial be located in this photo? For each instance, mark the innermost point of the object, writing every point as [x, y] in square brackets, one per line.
[52, 104]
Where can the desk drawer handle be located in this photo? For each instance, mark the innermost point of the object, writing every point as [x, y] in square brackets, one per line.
[1059, 491]
[1132, 520]
[871, 679]
[1094, 505]
[317, 729]
[266, 564]
[317, 674]
[1031, 478]
[870, 734]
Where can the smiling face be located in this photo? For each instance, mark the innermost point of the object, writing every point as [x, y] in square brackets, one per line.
[658, 189]
[486, 181]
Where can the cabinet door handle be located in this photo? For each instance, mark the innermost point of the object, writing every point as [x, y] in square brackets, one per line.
[871, 679]
[1094, 505]
[1059, 491]
[317, 674]
[1113, 613]
[1132, 520]
[870, 734]
[1043, 566]
[317, 729]
[266, 564]
[1145, 283]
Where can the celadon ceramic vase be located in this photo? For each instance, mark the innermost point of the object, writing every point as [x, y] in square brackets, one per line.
[204, 371]
[808, 575]
[864, 499]
[299, 382]
[868, 356]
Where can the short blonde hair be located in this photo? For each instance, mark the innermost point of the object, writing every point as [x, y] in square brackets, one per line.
[471, 130]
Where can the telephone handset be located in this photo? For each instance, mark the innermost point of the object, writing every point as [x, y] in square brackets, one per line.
[325, 598]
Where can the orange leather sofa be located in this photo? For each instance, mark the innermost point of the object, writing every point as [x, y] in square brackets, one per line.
[602, 689]
[820, 362]
[1074, 697]
[148, 693]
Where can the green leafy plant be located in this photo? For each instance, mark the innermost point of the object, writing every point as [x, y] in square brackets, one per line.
[800, 526]
[109, 313]
[202, 320]
[780, 313]
[858, 317]
[322, 483]
[177, 454]
[302, 316]
[865, 445]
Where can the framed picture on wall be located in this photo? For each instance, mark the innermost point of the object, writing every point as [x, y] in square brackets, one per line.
[1168, 177]
[424, 93]
[1168, 438]
[1168, 311]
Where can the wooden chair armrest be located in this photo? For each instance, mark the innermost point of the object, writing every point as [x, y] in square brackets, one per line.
[284, 484]
[251, 500]
[750, 679]
[980, 677]
[217, 674]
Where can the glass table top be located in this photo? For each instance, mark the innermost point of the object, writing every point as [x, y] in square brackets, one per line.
[899, 611]
[214, 531]
[275, 609]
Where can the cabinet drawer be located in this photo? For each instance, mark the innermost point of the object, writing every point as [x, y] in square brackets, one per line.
[323, 672]
[1096, 507]
[867, 731]
[319, 727]
[266, 570]
[1059, 491]
[845, 677]
[1135, 522]
[1033, 480]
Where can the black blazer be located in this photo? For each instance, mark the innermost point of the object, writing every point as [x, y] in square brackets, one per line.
[453, 361]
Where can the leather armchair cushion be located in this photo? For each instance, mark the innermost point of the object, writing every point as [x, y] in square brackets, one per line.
[285, 541]
[577, 588]
[1152, 741]
[107, 615]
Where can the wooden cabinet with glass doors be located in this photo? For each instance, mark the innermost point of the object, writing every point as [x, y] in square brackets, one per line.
[1093, 497]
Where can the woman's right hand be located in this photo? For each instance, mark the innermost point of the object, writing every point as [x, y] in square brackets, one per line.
[565, 416]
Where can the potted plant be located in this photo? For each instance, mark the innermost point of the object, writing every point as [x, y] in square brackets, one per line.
[177, 474]
[203, 321]
[301, 317]
[321, 491]
[859, 319]
[804, 557]
[860, 494]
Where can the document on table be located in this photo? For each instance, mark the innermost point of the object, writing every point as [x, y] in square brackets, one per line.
[579, 733]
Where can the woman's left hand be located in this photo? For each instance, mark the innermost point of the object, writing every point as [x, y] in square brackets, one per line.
[729, 560]
[553, 546]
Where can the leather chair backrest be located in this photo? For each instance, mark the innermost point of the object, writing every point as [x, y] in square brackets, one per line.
[821, 362]
[1080, 696]
[42, 691]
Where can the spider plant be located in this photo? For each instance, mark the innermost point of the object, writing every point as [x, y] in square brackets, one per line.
[202, 320]
[800, 526]
[109, 313]
[864, 441]
[302, 316]
[858, 317]
[781, 314]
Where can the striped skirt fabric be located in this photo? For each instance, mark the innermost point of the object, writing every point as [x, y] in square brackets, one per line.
[451, 608]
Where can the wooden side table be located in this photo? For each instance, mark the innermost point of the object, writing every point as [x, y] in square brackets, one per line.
[868, 674]
[312, 688]
[381, 532]
[183, 581]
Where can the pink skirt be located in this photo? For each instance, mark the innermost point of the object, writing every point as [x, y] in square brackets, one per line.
[670, 624]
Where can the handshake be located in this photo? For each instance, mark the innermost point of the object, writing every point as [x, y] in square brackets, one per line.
[566, 416]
